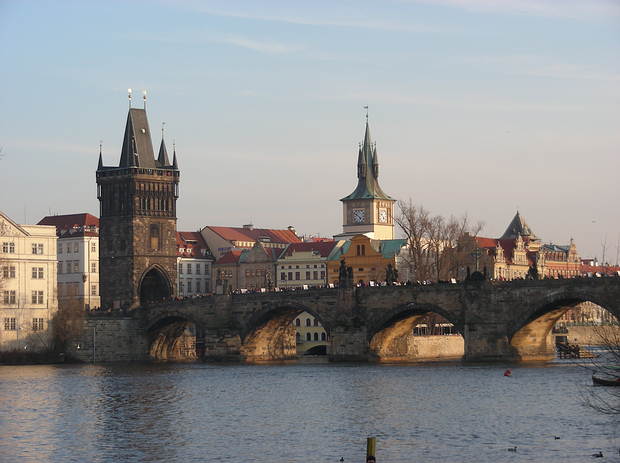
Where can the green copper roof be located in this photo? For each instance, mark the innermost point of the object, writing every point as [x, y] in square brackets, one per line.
[367, 172]
[390, 248]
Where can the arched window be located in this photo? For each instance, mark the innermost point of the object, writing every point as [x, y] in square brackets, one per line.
[298, 337]
[308, 337]
[308, 322]
[297, 322]
[316, 336]
[316, 322]
[323, 336]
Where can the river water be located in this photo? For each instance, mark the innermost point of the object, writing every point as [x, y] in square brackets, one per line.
[311, 412]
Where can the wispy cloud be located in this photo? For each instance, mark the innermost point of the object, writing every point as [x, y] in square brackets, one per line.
[308, 20]
[260, 46]
[574, 9]
[541, 66]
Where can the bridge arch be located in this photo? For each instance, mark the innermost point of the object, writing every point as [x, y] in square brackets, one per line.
[392, 339]
[530, 335]
[271, 335]
[175, 337]
[155, 285]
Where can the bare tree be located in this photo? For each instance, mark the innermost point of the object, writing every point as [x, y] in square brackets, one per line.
[68, 322]
[606, 399]
[436, 247]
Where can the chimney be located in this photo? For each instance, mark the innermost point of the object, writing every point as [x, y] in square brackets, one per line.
[291, 229]
[248, 226]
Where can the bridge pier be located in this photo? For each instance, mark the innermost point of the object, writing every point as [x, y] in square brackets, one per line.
[221, 345]
[349, 344]
[487, 342]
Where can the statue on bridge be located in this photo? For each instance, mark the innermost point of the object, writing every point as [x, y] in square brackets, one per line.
[532, 273]
[391, 275]
[345, 275]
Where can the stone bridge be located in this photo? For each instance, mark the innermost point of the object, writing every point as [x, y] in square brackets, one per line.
[497, 321]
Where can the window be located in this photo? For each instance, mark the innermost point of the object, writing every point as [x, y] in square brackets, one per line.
[93, 247]
[180, 268]
[322, 274]
[308, 322]
[37, 297]
[189, 286]
[361, 250]
[37, 273]
[8, 297]
[298, 337]
[93, 267]
[93, 290]
[316, 322]
[181, 287]
[283, 276]
[297, 275]
[189, 269]
[308, 337]
[198, 286]
[37, 324]
[307, 275]
[9, 324]
[198, 269]
[37, 248]
[59, 267]
[59, 248]
[323, 337]
[8, 271]
[290, 276]
[8, 247]
[316, 336]
[154, 236]
[76, 266]
[297, 322]
[69, 266]
[76, 247]
[315, 275]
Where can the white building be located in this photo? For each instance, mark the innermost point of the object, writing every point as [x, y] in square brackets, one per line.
[194, 264]
[310, 335]
[304, 264]
[27, 285]
[78, 260]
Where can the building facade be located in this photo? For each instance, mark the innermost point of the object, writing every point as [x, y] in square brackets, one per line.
[310, 335]
[194, 265]
[27, 285]
[368, 210]
[221, 240]
[138, 252]
[368, 259]
[78, 260]
[304, 265]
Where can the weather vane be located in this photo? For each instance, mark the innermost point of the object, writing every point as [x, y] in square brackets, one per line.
[129, 96]
[144, 98]
[366, 108]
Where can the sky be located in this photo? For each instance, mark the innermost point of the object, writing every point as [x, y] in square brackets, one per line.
[478, 107]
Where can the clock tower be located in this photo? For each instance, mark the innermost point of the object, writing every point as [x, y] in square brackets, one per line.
[368, 210]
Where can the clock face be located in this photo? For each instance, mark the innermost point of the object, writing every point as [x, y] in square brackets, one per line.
[359, 215]
[382, 215]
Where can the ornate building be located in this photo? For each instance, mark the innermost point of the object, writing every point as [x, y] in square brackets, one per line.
[28, 300]
[138, 251]
[368, 210]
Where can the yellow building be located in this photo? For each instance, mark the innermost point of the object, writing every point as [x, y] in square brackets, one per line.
[311, 336]
[367, 258]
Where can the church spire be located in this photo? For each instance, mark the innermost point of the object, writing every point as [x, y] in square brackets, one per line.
[100, 165]
[175, 164]
[162, 159]
[367, 170]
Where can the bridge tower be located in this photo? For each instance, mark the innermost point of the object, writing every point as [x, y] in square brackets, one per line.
[368, 210]
[137, 235]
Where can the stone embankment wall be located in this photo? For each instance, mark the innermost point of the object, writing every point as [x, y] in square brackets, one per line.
[591, 335]
[110, 339]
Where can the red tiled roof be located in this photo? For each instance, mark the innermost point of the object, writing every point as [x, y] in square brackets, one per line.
[486, 242]
[193, 245]
[322, 247]
[604, 269]
[256, 234]
[231, 257]
[73, 224]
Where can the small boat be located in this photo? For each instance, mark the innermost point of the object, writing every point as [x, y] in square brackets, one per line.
[605, 381]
